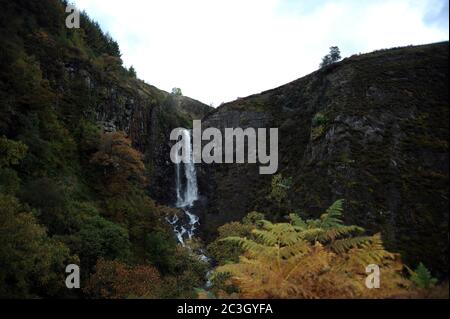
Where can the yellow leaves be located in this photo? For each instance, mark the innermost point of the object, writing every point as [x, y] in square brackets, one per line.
[277, 234]
[313, 259]
[371, 251]
[297, 250]
[286, 277]
[342, 245]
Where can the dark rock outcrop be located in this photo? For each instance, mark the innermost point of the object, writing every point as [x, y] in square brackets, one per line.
[147, 115]
[381, 144]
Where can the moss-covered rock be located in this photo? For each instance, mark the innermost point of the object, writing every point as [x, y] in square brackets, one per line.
[372, 129]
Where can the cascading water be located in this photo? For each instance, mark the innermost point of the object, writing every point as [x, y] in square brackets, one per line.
[185, 226]
[187, 191]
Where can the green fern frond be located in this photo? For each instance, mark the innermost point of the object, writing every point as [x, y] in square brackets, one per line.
[334, 233]
[290, 238]
[298, 250]
[282, 234]
[251, 247]
[372, 252]
[266, 237]
[333, 216]
[343, 245]
[312, 234]
[297, 221]
[337, 208]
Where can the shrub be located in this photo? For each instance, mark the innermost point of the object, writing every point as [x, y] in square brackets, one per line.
[11, 152]
[32, 263]
[333, 57]
[223, 251]
[177, 92]
[101, 238]
[319, 120]
[280, 188]
[116, 280]
[313, 259]
[120, 164]
[9, 181]
[422, 278]
[319, 123]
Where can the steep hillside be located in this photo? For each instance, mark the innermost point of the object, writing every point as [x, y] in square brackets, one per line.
[83, 146]
[372, 129]
[79, 72]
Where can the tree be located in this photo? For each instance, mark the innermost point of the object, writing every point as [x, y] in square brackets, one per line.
[112, 47]
[161, 250]
[97, 40]
[11, 152]
[32, 264]
[9, 181]
[119, 162]
[132, 72]
[101, 238]
[51, 198]
[116, 280]
[332, 57]
[313, 259]
[335, 54]
[422, 278]
[177, 92]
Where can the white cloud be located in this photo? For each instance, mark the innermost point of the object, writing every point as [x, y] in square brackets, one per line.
[218, 50]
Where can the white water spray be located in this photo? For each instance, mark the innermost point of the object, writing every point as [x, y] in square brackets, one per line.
[187, 191]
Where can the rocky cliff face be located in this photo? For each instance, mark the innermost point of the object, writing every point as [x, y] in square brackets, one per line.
[73, 81]
[372, 129]
[147, 115]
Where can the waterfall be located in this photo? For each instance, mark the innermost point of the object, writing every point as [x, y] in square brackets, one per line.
[184, 226]
[186, 191]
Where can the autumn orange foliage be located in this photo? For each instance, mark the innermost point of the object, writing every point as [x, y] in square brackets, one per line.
[116, 280]
[314, 259]
[121, 163]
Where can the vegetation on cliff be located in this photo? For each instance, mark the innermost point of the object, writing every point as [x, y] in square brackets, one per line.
[84, 170]
[72, 183]
[371, 128]
[311, 259]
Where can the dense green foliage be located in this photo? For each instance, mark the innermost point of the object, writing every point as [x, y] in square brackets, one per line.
[422, 277]
[32, 263]
[70, 193]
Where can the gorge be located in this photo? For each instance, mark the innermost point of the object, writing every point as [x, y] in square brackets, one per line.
[86, 175]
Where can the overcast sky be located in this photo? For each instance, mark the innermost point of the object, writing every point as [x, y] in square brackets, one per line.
[219, 50]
